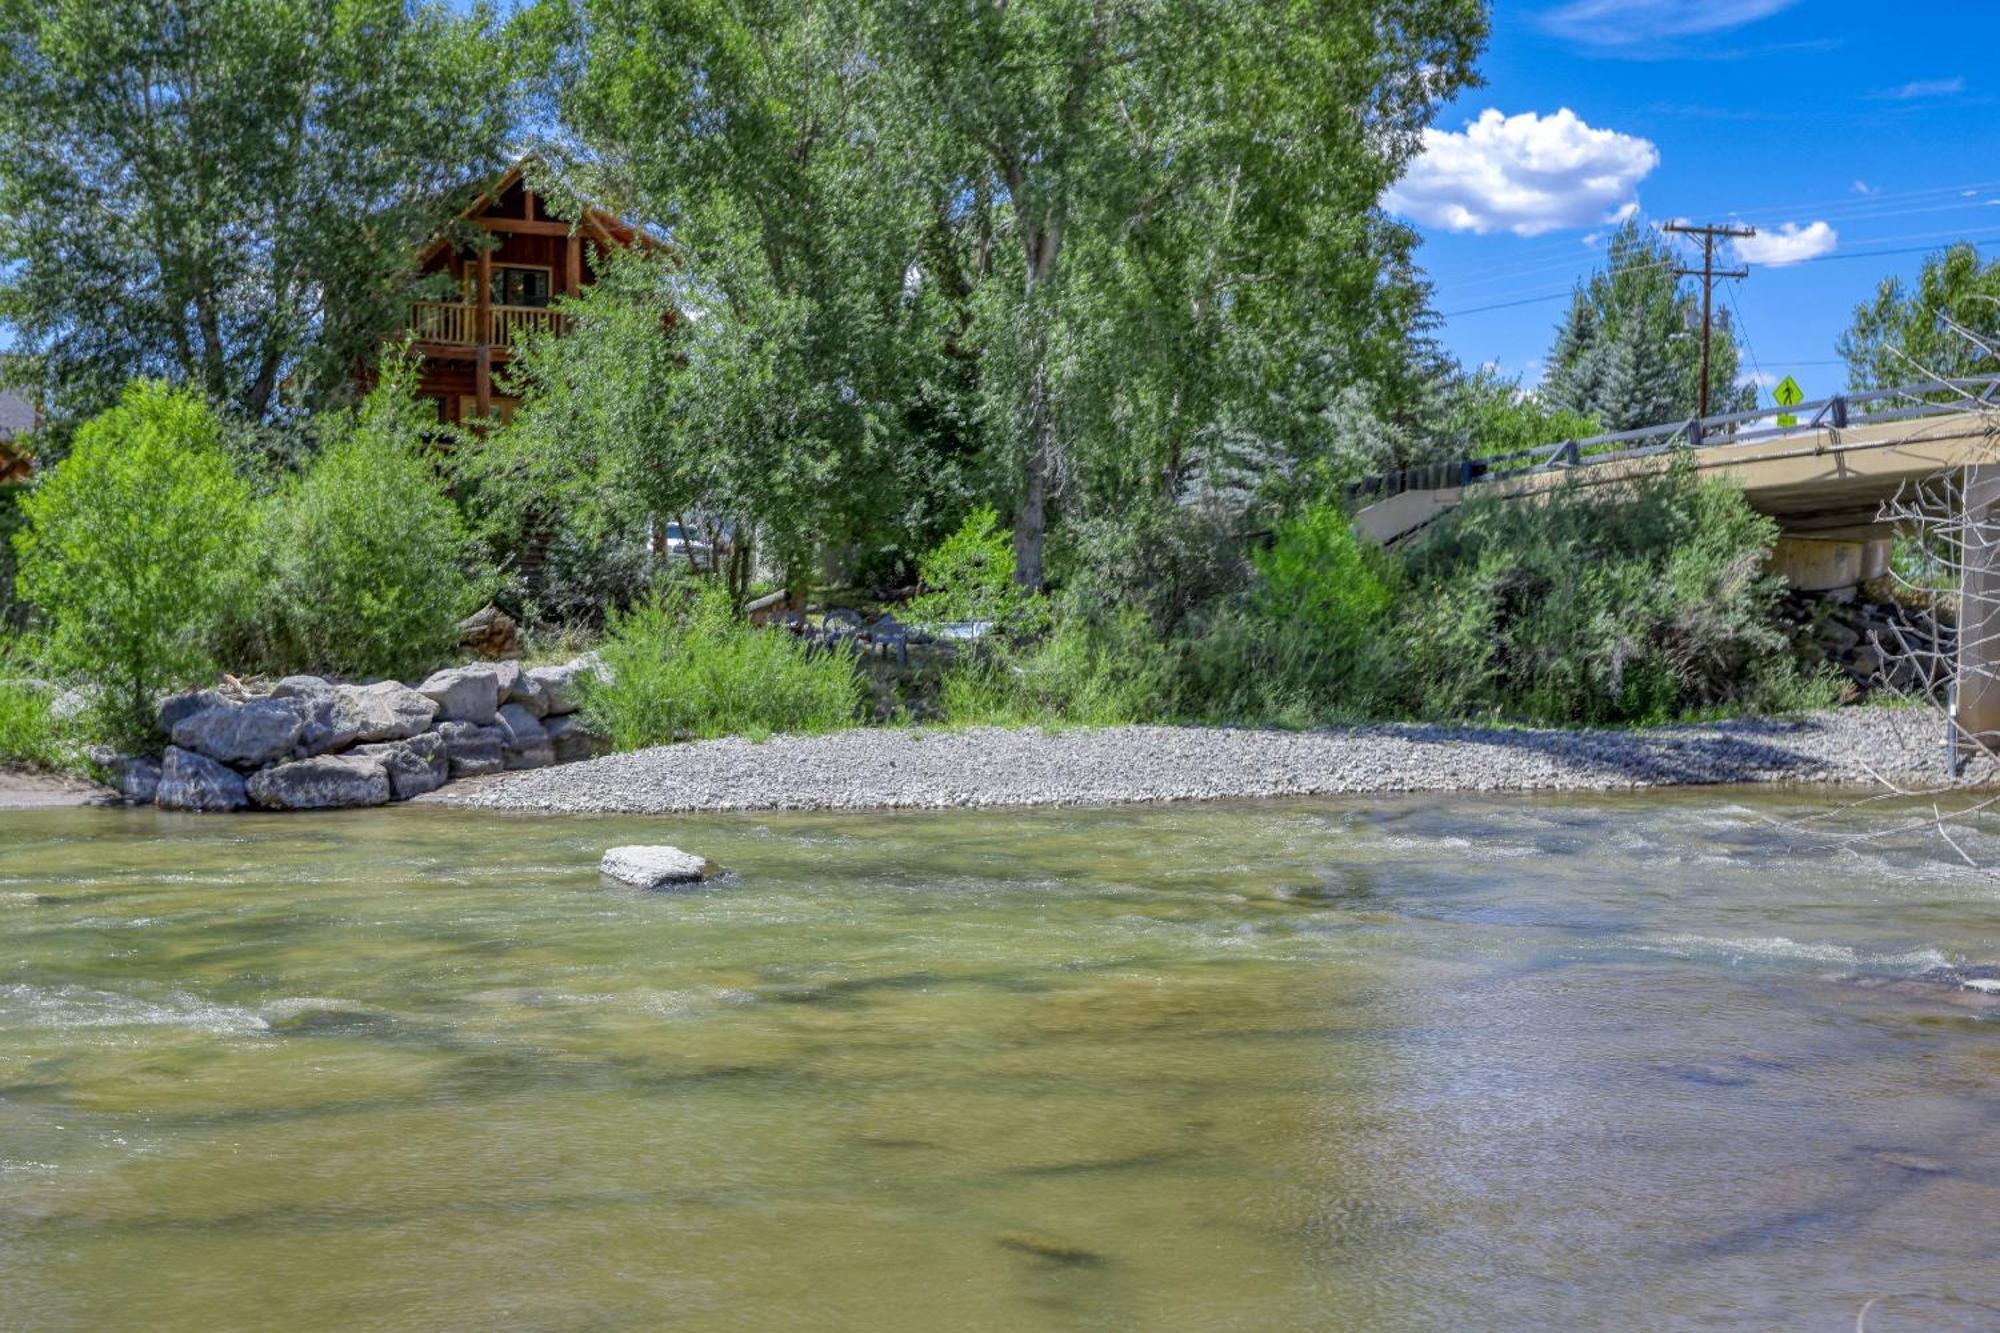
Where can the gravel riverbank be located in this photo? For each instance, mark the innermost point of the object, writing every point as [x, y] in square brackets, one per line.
[878, 768]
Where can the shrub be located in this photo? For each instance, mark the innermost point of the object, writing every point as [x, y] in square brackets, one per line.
[1626, 604]
[28, 732]
[693, 670]
[970, 576]
[1079, 675]
[130, 546]
[367, 563]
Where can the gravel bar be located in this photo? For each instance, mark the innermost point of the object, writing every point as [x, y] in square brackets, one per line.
[880, 768]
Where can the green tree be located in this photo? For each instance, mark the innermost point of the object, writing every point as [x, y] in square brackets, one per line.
[1628, 353]
[228, 193]
[1900, 337]
[367, 566]
[1485, 413]
[131, 549]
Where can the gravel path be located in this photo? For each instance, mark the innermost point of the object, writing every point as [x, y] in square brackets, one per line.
[892, 767]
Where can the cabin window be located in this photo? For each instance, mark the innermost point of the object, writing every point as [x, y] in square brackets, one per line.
[520, 286]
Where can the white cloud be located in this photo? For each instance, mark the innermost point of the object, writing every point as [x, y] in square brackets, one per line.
[1921, 88]
[1863, 187]
[1789, 244]
[1760, 379]
[1526, 174]
[1629, 22]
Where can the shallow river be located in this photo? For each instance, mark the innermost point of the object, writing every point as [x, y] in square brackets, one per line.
[1634, 1063]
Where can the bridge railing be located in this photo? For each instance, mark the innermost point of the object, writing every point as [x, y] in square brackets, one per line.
[1836, 412]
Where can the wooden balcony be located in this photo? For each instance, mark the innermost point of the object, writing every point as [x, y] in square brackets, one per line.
[456, 323]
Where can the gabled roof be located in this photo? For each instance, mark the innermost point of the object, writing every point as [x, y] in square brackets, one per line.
[607, 226]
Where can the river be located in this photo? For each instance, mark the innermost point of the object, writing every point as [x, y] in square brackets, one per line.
[1397, 1063]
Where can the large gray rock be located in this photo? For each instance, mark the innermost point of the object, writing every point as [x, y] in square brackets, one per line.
[330, 724]
[528, 692]
[190, 781]
[563, 685]
[464, 694]
[324, 782]
[571, 739]
[526, 741]
[177, 707]
[135, 777]
[472, 751]
[654, 867]
[415, 766]
[388, 711]
[245, 734]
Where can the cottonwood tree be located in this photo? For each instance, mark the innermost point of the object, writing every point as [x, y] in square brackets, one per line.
[1109, 245]
[1906, 333]
[227, 192]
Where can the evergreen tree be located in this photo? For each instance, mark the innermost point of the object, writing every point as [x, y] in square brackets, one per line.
[1629, 352]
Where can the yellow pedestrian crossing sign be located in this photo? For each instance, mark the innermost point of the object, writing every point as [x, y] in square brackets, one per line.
[1788, 394]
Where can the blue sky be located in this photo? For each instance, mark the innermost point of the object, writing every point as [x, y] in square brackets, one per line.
[1839, 128]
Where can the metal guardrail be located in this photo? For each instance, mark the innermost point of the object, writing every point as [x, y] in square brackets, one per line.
[1838, 412]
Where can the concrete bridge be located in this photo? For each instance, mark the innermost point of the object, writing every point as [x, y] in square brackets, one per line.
[1824, 470]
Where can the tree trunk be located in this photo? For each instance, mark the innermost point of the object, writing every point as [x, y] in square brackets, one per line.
[1032, 522]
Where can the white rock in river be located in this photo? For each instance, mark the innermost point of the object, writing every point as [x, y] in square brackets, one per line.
[652, 867]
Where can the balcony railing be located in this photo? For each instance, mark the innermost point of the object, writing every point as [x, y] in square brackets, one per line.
[456, 323]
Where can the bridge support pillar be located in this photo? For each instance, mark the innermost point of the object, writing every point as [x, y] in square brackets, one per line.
[1976, 698]
[1822, 564]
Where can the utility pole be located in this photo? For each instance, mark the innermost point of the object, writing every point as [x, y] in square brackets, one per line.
[1708, 273]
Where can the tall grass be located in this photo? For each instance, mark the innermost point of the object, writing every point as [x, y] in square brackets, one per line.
[29, 734]
[689, 669]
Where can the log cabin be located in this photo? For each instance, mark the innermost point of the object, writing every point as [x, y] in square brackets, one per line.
[504, 291]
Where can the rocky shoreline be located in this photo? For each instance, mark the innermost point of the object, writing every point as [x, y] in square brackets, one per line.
[308, 743]
[890, 768]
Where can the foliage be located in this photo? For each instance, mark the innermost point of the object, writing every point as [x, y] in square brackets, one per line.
[1035, 253]
[1487, 414]
[225, 193]
[970, 577]
[1082, 674]
[367, 567]
[29, 736]
[1899, 337]
[1628, 354]
[130, 549]
[1634, 603]
[692, 671]
[12, 611]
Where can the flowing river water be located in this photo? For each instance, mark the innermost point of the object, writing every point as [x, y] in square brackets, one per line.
[1606, 1062]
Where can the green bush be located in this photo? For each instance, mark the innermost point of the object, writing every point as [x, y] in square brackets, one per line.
[1079, 675]
[366, 564]
[970, 576]
[28, 732]
[693, 670]
[130, 547]
[1635, 603]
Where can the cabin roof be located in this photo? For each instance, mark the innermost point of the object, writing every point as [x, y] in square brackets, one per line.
[605, 225]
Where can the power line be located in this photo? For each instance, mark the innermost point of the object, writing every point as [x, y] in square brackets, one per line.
[1708, 273]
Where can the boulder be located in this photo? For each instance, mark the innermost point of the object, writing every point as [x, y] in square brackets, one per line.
[464, 694]
[528, 692]
[190, 781]
[490, 632]
[135, 777]
[177, 707]
[571, 739]
[563, 685]
[526, 741]
[246, 734]
[654, 867]
[472, 751]
[330, 724]
[506, 675]
[388, 711]
[415, 766]
[324, 782]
